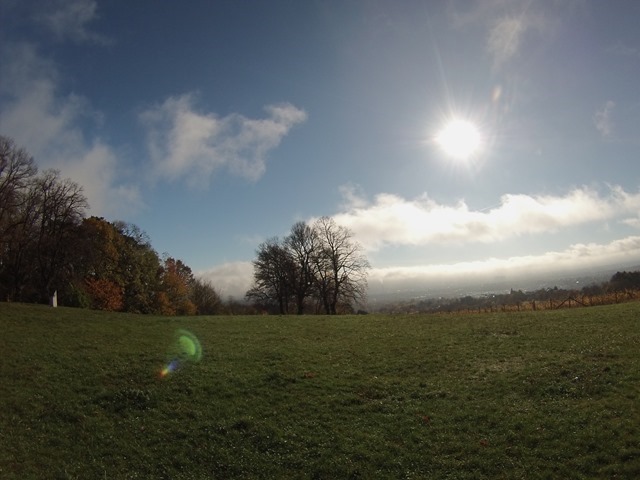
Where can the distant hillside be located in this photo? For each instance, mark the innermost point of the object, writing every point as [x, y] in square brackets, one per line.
[570, 280]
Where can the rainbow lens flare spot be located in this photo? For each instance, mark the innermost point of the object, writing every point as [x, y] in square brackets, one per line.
[171, 367]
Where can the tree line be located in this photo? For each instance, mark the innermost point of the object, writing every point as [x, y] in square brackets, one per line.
[317, 268]
[48, 245]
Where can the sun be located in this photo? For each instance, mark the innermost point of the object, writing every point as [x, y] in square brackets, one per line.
[459, 139]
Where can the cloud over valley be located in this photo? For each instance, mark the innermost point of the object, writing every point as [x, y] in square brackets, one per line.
[390, 219]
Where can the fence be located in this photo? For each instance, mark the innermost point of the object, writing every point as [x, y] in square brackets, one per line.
[570, 301]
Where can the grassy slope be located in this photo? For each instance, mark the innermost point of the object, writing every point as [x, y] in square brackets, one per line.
[531, 395]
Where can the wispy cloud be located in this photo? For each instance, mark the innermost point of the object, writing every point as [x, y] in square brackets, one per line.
[48, 123]
[578, 256]
[393, 220]
[504, 39]
[185, 143]
[603, 119]
[70, 19]
[507, 33]
[507, 22]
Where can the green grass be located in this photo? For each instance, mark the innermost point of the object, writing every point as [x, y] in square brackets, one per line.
[552, 394]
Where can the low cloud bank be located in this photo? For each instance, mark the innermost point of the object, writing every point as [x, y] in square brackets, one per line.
[590, 256]
[229, 279]
[392, 220]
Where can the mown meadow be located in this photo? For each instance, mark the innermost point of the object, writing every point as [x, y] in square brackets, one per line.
[547, 394]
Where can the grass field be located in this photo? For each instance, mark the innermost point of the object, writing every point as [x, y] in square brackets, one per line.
[553, 394]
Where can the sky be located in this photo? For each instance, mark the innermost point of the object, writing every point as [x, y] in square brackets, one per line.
[216, 125]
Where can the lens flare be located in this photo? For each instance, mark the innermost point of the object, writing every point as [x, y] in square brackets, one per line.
[170, 368]
[189, 345]
[186, 348]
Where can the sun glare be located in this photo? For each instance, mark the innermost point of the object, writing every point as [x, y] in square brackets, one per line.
[459, 139]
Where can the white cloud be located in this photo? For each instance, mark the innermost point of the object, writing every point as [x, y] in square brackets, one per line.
[229, 279]
[393, 220]
[48, 125]
[602, 119]
[69, 19]
[95, 168]
[187, 144]
[578, 256]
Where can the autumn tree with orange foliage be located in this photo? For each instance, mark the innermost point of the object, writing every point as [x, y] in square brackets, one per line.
[176, 281]
[98, 265]
[105, 294]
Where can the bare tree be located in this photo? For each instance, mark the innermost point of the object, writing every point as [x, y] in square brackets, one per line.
[60, 206]
[302, 244]
[16, 170]
[340, 266]
[44, 224]
[320, 261]
[272, 275]
[17, 265]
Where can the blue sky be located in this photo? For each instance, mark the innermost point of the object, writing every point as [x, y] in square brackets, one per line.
[214, 125]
